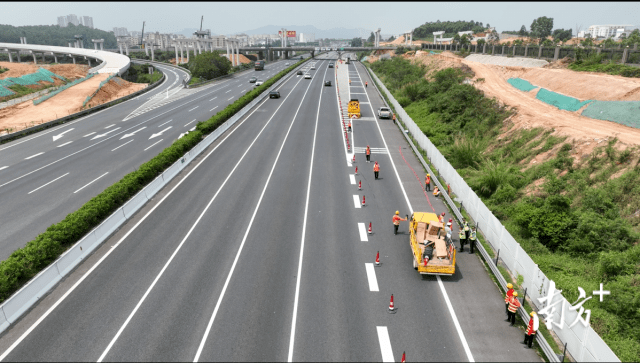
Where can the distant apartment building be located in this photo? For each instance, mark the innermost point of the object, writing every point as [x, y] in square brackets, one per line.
[87, 21]
[72, 19]
[608, 31]
[120, 32]
[62, 21]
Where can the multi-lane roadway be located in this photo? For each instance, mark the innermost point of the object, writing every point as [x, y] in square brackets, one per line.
[45, 176]
[258, 251]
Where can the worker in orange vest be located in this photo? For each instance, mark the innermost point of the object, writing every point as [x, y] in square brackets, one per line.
[368, 154]
[396, 221]
[394, 118]
[514, 304]
[436, 191]
[427, 182]
[532, 329]
[366, 84]
[449, 189]
[349, 125]
[441, 218]
[507, 297]
[376, 170]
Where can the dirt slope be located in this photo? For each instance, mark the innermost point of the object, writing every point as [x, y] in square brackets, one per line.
[69, 71]
[116, 88]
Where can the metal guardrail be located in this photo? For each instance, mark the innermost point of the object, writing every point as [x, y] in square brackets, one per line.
[542, 342]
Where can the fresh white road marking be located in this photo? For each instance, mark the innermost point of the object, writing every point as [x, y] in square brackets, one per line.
[122, 145]
[385, 344]
[190, 122]
[352, 179]
[230, 99]
[371, 276]
[356, 201]
[165, 123]
[243, 91]
[56, 137]
[213, 99]
[66, 143]
[159, 133]
[89, 134]
[93, 179]
[3, 167]
[133, 133]
[213, 109]
[48, 183]
[33, 156]
[363, 232]
[153, 145]
[193, 109]
[228, 91]
[110, 126]
[105, 134]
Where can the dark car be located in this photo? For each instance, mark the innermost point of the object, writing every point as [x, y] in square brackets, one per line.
[274, 94]
[327, 83]
[300, 73]
[252, 80]
[330, 65]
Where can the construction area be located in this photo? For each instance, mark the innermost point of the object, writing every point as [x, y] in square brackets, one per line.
[89, 91]
[586, 107]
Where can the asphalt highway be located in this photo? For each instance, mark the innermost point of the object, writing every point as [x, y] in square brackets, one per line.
[258, 252]
[45, 176]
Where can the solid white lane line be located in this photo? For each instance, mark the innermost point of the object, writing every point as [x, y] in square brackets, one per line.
[190, 122]
[363, 232]
[193, 109]
[444, 292]
[230, 99]
[4, 167]
[92, 180]
[213, 99]
[110, 126]
[213, 109]
[33, 156]
[356, 201]
[165, 123]
[371, 276]
[352, 179]
[177, 249]
[304, 227]
[48, 183]
[122, 145]
[89, 134]
[385, 344]
[66, 143]
[153, 145]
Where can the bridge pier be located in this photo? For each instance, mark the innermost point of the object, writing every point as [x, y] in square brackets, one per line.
[176, 48]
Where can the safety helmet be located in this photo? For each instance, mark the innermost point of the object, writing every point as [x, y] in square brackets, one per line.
[397, 212]
[367, 145]
[450, 220]
[515, 293]
[532, 313]
[510, 285]
[428, 174]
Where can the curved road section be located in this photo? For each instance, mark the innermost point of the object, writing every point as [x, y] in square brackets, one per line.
[110, 62]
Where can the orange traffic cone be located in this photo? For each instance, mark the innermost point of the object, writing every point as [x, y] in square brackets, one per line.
[378, 260]
[356, 170]
[370, 231]
[404, 358]
[360, 185]
[426, 260]
[354, 158]
[392, 309]
[363, 200]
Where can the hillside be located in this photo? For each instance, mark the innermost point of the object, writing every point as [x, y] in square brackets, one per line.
[54, 35]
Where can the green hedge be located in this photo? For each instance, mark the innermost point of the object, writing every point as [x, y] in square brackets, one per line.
[24, 263]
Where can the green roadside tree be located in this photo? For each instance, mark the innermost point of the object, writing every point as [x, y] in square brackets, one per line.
[523, 31]
[209, 65]
[541, 28]
[371, 38]
[356, 42]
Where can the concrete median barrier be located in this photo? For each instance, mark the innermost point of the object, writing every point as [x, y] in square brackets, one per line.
[112, 223]
[152, 188]
[134, 204]
[75, 254]
[22, 300]
[174, 169]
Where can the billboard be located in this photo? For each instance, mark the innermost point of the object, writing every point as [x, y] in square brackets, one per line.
[290, 33]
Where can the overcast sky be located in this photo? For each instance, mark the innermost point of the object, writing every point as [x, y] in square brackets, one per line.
[391, 17]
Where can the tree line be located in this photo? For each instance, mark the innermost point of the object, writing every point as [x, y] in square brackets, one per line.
[449, 27]
[55, 35]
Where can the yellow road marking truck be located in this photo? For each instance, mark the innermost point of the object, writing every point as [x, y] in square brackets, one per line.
[354, 108]
[432, 253]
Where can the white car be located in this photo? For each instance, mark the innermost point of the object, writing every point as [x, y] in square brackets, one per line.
[307, 76]
[313, 67]
[286, 64]
[259, 82]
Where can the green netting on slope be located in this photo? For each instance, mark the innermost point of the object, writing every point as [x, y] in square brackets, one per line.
[98, 89]
[560, 101]
[521, 84]
[60, 89]
[622, 112]
[31, 79]
[5, 92]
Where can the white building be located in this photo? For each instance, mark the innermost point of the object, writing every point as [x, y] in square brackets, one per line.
[62, 21]
[73, 19]
[607, 31]
[120, 32]
[87, 21]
